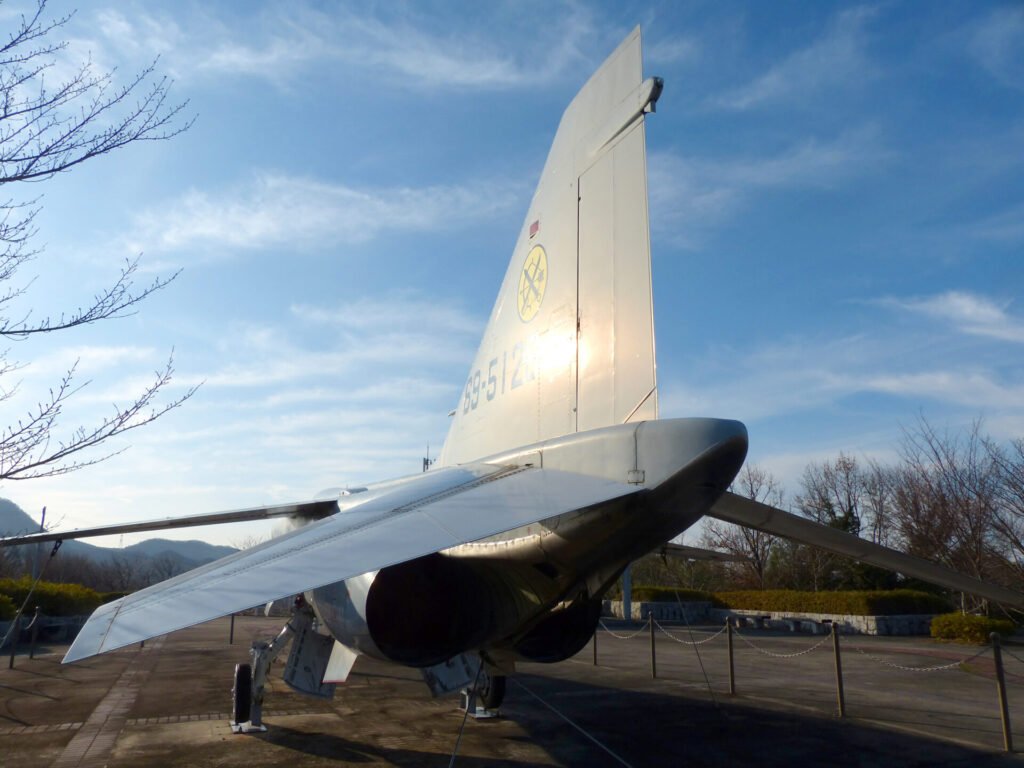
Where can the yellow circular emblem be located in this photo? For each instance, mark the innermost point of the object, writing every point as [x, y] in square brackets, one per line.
[532, 282]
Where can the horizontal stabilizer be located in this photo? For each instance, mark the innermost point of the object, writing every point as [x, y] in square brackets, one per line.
[306, 509]
[421, 515]
[696, 553]
[753, 514]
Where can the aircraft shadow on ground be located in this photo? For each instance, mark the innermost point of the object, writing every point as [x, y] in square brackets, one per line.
[659, 729]
[342, 750]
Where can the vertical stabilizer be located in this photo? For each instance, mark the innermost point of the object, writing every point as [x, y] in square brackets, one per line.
[570, 342]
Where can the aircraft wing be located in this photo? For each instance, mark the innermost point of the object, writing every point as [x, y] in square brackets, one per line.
[696, 553]
[429, 513]
[307, 509]
[753, 514]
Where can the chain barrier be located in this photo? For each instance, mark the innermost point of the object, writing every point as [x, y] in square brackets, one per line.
[617, 636]
[814, 647]
[1008, 652]
[936, 668]
[688, 642]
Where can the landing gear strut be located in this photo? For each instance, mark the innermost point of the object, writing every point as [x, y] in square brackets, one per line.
[491, 689]
[483, 701]
[304, 671]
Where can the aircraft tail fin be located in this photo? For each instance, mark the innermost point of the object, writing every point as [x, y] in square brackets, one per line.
[570, 342]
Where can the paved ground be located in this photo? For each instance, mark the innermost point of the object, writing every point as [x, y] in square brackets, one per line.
[166, 705]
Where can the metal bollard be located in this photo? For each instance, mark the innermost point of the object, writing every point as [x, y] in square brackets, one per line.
[732, 667]
[231, 635]
[840, 697]
[654, 663]
[35, 634]
[1004, 710]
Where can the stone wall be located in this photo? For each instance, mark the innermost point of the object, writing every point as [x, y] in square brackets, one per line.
[703, 613]
[912, 624]
[695, 613]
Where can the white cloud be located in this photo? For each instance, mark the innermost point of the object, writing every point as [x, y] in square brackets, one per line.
[275, 209]
[671, 50]
[1007, 225]
[395, 44]
[802, 374]
[836, 59]
[969, 313]
[403, 311]
[692, 195]
[997, 42]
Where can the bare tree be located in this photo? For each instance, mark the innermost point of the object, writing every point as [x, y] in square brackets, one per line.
[1008, 519]
[48, 128]
[946, 499]
[755, 547]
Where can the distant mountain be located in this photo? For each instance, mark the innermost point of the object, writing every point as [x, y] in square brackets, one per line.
[183, 554]
[199, 551]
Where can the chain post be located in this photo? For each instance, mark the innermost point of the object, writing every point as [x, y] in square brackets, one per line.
[14, 639]
[654, 663]
[35, 634]
[732, 665]
[840, 696]
[1004, 710]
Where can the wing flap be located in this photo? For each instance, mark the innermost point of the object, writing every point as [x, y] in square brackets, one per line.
[448, 507]
[753, 514]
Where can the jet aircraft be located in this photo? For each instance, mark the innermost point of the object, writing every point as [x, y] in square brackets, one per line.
[555, 475]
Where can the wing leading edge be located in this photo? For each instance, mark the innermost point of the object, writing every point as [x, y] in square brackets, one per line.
[753, 514]
[445, 508]
[306, 509]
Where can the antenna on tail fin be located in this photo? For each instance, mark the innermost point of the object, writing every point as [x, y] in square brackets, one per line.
[570, 342]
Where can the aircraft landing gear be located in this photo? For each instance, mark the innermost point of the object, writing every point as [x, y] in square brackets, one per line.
[303, 672]
[483, 702]
[491, 689]
[241, 695]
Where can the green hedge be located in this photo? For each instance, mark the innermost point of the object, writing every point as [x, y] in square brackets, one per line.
[646, 594]
[7, 608]
[864, 603]
[53, 599]
[970, 629]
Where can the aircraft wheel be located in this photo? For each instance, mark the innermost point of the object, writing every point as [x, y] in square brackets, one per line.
[492, 690]
[241, 699]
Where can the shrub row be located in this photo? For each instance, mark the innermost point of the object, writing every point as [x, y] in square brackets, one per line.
[642, 594]
[863, 603]
[969, 629]
[52, 599]
[7, 609]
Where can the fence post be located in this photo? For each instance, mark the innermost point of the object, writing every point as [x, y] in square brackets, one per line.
[1004, 710]
[35, 634]
[231, 635]
[14, 639]
[654, 663]
[732, 666]
[840, 697]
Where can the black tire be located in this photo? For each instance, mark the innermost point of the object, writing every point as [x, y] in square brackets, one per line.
[492, 690]
[241, 694]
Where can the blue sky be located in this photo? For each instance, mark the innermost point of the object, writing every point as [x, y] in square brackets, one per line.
[837, 227]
